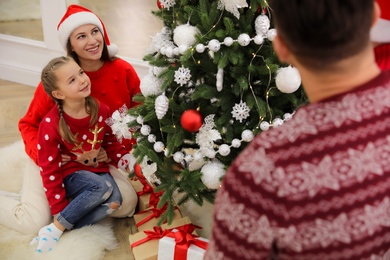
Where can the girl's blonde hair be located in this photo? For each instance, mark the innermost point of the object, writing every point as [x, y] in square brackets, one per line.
[49, 80]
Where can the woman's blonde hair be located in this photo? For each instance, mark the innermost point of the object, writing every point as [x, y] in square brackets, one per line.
[49, 80]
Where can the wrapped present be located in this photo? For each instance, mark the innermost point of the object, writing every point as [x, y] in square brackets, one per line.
[180, 243]
[144, 244]
[148, 218]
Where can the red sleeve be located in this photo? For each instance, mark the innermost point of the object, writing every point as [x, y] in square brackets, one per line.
[49, 162]
[28, 125]
[133, 84]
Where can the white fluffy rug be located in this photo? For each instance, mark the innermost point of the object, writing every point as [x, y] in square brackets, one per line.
[88, 243]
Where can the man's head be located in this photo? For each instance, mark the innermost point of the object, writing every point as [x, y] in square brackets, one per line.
[321, 32]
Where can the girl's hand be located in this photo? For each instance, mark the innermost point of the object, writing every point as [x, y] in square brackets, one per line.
[102, 156]
[65, 159]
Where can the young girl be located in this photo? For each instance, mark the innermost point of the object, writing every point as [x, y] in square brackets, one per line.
[82, 191]
[114, 81]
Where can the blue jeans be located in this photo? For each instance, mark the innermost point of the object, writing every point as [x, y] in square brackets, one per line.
[90, 195]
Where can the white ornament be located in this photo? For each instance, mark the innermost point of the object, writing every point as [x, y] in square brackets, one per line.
[228, 41]
[207, 135]
[161, 106]
[247, 136]
[212, 172]
[151, 138]
[258, 39]
[200, 48]
[167, 3]
[145, 130]
[287, 116]
[150, 85]
[277, 122]
[271, 34]
[232, 6]
[244, 39]
[182, 76]
[240, 111]
[178, 157]
[148, 169]
[236, 143]
[140, 120]
[219, 82]
[214, 45]
[169, 52]
[224, 150]
[287, 79]
[188, 158]
[119, 123]
[185, 35]
[158, 147]
[262, 24]
[183, 48]
[264, 125]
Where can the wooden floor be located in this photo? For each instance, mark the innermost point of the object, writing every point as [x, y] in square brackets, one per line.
[130, 25]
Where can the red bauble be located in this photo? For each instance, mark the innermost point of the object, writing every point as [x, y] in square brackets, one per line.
[159, 5]
[138, 171]
[191, 120]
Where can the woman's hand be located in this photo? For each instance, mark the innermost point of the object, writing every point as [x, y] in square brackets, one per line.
[102, 156]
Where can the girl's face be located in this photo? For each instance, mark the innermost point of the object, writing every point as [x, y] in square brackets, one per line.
[87, 41]
[72, 82]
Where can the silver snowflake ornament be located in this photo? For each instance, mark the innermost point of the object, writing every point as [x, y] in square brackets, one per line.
[240, 111]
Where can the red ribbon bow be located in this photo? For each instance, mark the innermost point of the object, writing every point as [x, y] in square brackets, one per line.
[156, 233]
[184, 238]
[155, 214]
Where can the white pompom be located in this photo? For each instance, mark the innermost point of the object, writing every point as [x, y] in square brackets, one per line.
[212, 172]
[287, 79]
[247, 136]
[161, 106]
[150, 85]
[185, 35]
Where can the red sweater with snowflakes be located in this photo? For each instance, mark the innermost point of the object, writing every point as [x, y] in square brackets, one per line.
[317, 187]
[83, 155]
[115, 84]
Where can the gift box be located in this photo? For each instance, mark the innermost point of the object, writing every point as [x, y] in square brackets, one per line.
[147, 219]
[144, 244]
[180, 244]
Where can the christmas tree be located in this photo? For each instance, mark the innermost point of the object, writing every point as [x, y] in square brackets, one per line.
[214, 83]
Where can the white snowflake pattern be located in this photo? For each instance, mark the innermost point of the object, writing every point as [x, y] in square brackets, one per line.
[332, 231]
[182, 76]
[240, 111]
[119, 123]
[167, 3]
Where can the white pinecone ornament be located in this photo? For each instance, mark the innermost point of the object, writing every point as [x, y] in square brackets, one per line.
[161, 106]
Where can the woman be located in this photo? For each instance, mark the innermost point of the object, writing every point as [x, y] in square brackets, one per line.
[114, 82]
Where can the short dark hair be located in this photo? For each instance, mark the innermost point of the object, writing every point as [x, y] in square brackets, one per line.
[320, 32]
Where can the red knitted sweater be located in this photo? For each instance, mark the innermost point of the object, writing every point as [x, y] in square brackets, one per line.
[114, 84]
[51, 146]
[317, 187]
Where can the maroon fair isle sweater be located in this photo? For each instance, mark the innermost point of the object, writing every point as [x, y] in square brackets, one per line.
[317, 187]
[114, 84]
[51, 146]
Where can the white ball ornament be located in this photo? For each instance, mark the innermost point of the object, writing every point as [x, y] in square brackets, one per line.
[259, 39]
[271, 34]
[163, 50]
[287, 79]
[212, 172]
[158, 147]
[169, 52]
[150, 85]
[176, 51]
[228, 41]
[200, 48]
[178, 157]
[224, 150]
[214, 45]
[198, 156]
[264, 125]
[183, 48]
[277, 122]
[236, 143]
[244, 39]
[188, 158]
[185, 35]
[140, 120]
[287, 116]
[145, 130]
[151, 138]
[247, 136]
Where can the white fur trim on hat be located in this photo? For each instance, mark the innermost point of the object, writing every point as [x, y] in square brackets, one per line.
[73, 22]
[381, 31]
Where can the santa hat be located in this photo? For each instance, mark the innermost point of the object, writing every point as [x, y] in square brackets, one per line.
[381, 30]
[77, 16]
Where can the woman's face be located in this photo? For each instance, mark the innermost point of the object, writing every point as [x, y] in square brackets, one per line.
[87, 41]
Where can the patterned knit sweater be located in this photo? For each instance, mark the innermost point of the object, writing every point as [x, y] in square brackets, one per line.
[51, 146]
[317, 187]
[114, 84]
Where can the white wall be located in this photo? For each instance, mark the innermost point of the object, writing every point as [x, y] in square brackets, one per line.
[21, 59]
